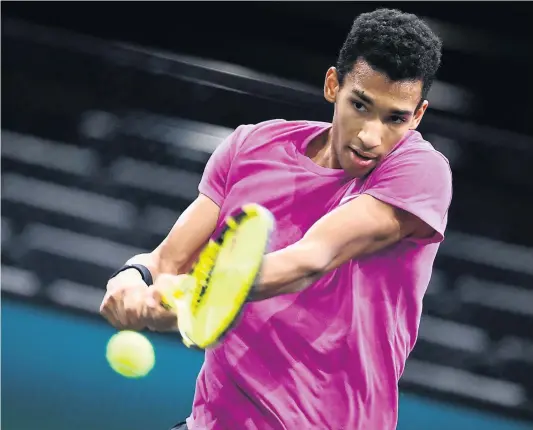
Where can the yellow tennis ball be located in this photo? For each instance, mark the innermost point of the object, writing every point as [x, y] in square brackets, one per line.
[130, 354]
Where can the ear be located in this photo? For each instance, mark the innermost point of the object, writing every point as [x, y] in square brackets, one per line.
[331, 85]
[418, 115]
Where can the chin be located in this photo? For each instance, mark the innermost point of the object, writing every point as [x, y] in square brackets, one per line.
[360, 175]
[354, 172]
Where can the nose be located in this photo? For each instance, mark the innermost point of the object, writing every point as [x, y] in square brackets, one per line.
[370, 135]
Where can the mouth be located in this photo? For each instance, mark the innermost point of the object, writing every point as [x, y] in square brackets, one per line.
[362, 155]
[361, 161]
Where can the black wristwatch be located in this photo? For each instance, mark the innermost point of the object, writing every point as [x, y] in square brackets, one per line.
[143, 270]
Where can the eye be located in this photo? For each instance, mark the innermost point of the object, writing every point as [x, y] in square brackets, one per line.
[397, 119]
[359, 106]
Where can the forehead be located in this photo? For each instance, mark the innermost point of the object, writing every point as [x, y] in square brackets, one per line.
[380, 88]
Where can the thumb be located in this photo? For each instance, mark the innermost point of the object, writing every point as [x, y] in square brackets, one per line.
[154, 297]
[157, 299]
[169, 288]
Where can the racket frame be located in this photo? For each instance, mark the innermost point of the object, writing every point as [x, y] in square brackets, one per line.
[211, 253]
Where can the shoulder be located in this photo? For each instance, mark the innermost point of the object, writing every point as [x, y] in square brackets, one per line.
[416, 178]
[253, 136]
[282, 125]
[416, 154]
[413, 171]
[418, 148]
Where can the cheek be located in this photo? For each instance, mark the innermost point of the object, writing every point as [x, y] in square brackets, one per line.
[392, 136]
[348, 122]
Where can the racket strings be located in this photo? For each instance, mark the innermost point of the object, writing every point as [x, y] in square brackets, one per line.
[224, 274]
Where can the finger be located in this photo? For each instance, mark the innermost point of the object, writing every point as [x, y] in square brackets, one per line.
[129, 312]
[107, 309]
[153, 298]
[161, 296]
[156, 297]
[107, 314]
[115, 308]
[133, 308]
[153, 305]
[166, 321]
[156, 316]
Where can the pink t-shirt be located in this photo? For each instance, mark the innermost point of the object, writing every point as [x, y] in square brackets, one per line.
[329, 357]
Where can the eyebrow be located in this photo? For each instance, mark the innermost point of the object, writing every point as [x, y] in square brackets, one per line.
[366, 99]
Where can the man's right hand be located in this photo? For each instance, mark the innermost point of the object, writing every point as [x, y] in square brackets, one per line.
[129, 304]
[123, 303]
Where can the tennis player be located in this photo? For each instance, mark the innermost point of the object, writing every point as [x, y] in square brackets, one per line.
[361, 206]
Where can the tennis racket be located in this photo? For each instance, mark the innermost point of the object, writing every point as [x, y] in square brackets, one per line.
[210, 299]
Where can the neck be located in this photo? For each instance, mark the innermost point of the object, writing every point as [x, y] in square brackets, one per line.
[320, 150]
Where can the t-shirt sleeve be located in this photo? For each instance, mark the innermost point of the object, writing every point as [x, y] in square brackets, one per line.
[215, 177]
[419, 182]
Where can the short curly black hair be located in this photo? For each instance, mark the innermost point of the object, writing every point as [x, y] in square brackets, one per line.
[398, 44]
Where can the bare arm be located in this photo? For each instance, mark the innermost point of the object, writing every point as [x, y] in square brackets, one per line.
[361, 227]
[128, 304]
[178, 251]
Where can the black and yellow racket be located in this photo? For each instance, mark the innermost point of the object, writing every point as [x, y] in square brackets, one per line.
[210, 298]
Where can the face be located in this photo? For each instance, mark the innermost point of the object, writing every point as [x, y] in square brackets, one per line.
[372, 114]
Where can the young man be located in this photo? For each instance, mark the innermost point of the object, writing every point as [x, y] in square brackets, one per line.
[360, 205]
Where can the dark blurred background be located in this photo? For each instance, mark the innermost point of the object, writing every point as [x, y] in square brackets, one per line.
[109, 113]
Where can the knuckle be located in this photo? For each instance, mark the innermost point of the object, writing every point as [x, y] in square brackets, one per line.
[112, 285]
[121, 289]
[104, 308]
[132, 314]
[109, 303]
[150, 310]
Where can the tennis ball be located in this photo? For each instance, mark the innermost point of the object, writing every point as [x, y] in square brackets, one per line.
[130, 354]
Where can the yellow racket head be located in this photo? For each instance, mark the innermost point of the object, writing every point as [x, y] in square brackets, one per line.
[225, 273]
